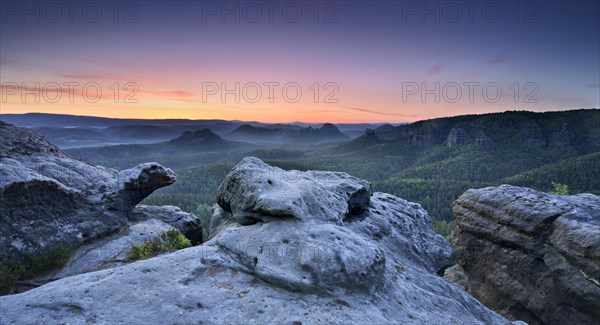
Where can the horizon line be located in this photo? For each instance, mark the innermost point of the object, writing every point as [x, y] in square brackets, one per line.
[280, 122]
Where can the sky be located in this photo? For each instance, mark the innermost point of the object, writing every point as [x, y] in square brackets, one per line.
[285, 61]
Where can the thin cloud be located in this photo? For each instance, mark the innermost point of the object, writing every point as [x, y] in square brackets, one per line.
[109, 78]
[498, 59]
[169, 93]
[178, 95]
[370, 111]
[16, 89]
[321, 111]
[593, 86]
[435, 69]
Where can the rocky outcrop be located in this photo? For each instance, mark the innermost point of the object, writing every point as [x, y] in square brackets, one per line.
[531, 135]
[560, 138]
[456, 275]
[456, 137]
[145, 223]
[423, 135]
[531, 255]
[472, 135]
[52, 200]
[188, 224]
[483, 141]
[287, 247]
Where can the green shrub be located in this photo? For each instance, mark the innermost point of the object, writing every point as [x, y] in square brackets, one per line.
[444, 228]
[168, 241]
[175, 240]
[10, 272]
[204, 212]
[560, 189]
[37, 264]
[51, 259]
[142, 251]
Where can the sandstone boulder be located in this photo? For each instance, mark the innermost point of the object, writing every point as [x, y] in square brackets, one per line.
[52, 200]
[530, 255]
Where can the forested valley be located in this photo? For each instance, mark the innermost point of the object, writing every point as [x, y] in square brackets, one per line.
[430, 162]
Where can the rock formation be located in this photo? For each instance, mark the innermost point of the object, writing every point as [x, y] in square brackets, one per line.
[483, 141]
[463, 136]
[188, 224]
[144, 223]
[531, 135]
[287, 247]
[457, 136]
[560, 138]
[530, 255]
[52, 200]
[425, 134]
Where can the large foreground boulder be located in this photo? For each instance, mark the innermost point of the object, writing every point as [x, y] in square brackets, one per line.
[530, 255]
[52, 200]
[287, 247]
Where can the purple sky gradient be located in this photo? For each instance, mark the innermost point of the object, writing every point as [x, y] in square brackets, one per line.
[368, 50]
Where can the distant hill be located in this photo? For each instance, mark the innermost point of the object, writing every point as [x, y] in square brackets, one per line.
[142, 131]
[367, 140]
[353, 130]
[434, 161]
[204, 138]
[283, 126]
[109, 131]
[578, 130]
[281, 134]
[76, 137]
[580, 173]
[188, 143]
[71, 131]
[386, 131]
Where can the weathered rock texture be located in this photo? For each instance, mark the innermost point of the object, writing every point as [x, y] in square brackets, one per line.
[187, 224]
[288, 247]
[52, 200]
[145, 223]
[530, 255]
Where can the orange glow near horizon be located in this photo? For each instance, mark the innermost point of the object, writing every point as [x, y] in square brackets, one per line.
[149, 113]
[339, 116]
[157, 101]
